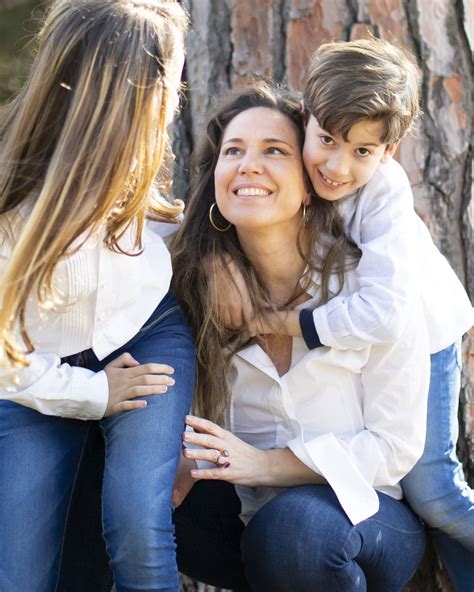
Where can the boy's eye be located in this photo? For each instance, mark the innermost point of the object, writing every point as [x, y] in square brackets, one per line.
[326, 140]
[363, 152]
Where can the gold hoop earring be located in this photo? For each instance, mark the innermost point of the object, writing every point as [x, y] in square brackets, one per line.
[304, 213]
[213, 224]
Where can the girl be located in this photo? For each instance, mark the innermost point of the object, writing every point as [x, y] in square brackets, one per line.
[89, 334]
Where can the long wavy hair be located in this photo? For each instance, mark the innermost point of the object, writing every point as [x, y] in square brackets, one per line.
[322, 244]
[82, 143]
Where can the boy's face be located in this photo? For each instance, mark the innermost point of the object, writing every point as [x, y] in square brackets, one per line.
[336, 167]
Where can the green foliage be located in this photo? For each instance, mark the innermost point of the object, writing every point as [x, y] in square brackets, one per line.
[19, 21]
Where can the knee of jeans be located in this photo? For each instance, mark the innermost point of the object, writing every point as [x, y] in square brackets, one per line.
[301, 549]
[437, 501]
[437, 513]
[142, 524]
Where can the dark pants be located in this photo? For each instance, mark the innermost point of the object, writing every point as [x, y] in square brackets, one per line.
[301, 541]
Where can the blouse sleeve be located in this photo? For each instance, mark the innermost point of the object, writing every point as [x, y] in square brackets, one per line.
[53, 388]
[395, 382]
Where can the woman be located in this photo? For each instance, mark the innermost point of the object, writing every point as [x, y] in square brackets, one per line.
[316, 442]
[90, 335]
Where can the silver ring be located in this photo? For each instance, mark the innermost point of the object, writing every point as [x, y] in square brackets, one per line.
[225, 453]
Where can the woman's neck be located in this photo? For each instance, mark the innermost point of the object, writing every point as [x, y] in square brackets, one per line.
[275, 256]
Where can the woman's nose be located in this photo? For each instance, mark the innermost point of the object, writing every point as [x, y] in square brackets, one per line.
[251, 163]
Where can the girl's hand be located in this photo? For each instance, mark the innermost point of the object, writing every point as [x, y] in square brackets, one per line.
[183, 482]
[236, 461]
[129, 379]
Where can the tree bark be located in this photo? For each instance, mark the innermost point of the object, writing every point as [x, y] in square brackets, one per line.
[233, 40]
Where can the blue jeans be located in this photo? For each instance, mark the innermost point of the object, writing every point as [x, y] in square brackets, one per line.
[436, 488]
[40, 458]
[300, 540]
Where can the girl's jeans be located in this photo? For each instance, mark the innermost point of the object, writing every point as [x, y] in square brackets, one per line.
[436, 488]
[40, 457]
[300, 541]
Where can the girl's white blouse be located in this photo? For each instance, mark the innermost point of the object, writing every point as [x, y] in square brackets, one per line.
[106, 299]
[356, 417]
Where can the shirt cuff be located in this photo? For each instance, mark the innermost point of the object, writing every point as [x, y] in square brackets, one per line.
[308, 329]
[327, 457]
[96, 385]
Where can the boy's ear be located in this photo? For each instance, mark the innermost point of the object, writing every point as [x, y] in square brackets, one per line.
[390, 150]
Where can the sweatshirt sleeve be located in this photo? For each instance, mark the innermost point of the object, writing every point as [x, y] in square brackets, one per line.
[383, 225]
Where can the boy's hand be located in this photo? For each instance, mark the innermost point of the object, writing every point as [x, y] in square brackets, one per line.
[129, 379]
[284, 322]
[224, 277]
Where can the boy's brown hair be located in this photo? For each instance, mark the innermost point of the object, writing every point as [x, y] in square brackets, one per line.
[348, 82]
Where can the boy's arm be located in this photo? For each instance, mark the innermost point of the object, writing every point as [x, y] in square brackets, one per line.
[384, 227]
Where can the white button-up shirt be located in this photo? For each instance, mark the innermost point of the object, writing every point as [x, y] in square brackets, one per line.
[107, 297]
[399, 259]
[355, 417]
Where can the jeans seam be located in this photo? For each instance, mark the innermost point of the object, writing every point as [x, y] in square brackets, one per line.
[159, 319]
[69, 507]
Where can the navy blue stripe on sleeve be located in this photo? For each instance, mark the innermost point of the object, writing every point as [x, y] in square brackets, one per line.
[308, 329]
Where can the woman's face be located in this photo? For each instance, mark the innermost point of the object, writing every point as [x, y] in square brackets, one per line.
[259, 179]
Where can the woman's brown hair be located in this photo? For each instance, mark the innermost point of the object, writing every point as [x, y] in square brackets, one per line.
[198, 246]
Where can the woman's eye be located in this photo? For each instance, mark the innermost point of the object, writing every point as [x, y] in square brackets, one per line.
[232, 151]
[326, 140]
[274, 150]
[363, 152]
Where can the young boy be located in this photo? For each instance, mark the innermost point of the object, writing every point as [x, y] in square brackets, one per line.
[361, 99]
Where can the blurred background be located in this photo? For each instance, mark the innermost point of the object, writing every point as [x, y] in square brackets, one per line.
[232, 40]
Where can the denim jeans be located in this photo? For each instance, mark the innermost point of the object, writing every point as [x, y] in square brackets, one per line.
[436, 488]
[40, 459]
[300, 540]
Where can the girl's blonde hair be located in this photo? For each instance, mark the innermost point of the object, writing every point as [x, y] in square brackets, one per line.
[83, 142]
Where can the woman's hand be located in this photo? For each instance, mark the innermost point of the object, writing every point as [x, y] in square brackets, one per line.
[242, 464]
[129, 379]
[236, 461]
[183, 482]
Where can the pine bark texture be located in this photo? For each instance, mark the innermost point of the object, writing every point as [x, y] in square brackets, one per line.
[233, 40]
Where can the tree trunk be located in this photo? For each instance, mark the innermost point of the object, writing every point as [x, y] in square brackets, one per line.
[232, 40]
